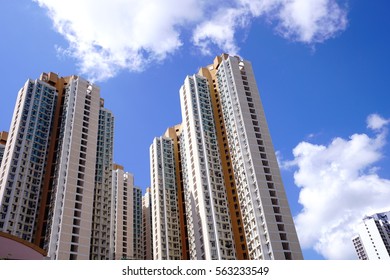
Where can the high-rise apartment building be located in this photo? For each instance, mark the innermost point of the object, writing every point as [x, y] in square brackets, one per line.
[229, 180]
[101, 222]
[174, 133]
[373, 239]
[269, 228]
[166, 227]
[47, 184]
[127, 219]
[147, 225]
[235, 203]
[24, 162]
[123, 184]
[68, 234]
[209, 225]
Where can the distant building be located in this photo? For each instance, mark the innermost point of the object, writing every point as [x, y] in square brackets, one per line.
[373, 239]
[127, 216]
[360, 251]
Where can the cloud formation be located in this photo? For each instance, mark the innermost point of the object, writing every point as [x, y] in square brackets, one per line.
[339, 184]
[110, 35]
[311, 21]
[376, 122]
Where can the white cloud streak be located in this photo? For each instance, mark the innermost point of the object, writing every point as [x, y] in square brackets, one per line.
[339, 185]
[107, 36]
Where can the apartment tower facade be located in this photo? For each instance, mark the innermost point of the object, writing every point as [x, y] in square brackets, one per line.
[69, 187]
[24, 162]
[47, 188]
[373, 239]
[101, 222]
[127, 216]
[269, 228]
[123, 184]
[235, 203]
[164, 191]
[209, 226]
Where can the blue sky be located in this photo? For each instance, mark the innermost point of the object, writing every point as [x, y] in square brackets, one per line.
[321, 68]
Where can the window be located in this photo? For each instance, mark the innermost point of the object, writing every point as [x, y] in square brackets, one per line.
[281, 227]
[285, 246]
[76, 222]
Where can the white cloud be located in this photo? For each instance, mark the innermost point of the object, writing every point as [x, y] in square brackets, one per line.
[298, 20]
[220, 30]
[376, 122]
[311, 21]
[109, 35]
[339, 185]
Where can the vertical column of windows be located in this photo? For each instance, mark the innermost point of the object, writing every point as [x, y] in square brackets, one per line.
[137, 218]
[125, 201]
[74, 246]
